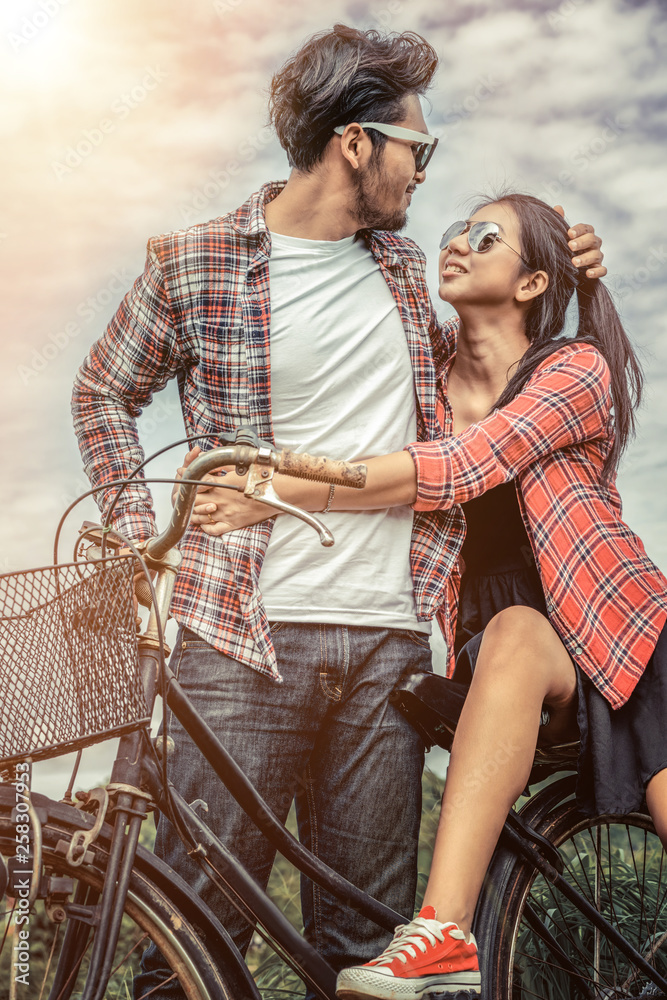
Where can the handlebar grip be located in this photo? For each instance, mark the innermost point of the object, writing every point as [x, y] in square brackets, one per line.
[322, 470]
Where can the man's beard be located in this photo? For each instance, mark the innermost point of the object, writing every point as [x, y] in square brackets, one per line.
[370, 195]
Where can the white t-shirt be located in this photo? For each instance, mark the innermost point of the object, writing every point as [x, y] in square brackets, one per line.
[342, 386]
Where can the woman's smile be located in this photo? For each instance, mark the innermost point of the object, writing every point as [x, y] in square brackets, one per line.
[453, 267]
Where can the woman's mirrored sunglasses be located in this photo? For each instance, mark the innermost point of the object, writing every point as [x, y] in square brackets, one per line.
[425, 144]
[481, 236]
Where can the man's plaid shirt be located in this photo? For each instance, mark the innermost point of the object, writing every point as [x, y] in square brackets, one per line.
[201, 312]
[605, 598]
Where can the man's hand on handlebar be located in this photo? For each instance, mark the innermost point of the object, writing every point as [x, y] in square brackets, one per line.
[218, 510]
[223, 509]
[182, 470]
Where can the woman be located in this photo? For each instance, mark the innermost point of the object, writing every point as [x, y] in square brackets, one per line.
[558, 613]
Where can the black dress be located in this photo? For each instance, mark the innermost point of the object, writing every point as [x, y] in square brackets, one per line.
[620, 749]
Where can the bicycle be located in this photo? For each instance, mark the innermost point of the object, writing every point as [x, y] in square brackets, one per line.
[85, 866]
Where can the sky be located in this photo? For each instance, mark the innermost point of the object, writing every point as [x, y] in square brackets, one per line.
[123, 119]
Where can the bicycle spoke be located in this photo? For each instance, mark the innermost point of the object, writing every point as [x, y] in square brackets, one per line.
[565, 931]
[663, 900]
[9, 914]
[652, 951]
[641, 894]
[75, 969]
[611, 916]
[598, 963]
[144, 996]
[584, 872]
[557, 968]
[50, 959]
[659, 901]
[597, 863]
[132, 949]
[525, 990]
[45, 972]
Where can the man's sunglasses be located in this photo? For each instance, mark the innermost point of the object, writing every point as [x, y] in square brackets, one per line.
[481, 236]
[425, 143]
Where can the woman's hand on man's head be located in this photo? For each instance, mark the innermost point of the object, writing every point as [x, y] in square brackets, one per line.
[586, 245]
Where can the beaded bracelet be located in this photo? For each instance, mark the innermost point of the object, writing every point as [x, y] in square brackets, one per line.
[332, 490]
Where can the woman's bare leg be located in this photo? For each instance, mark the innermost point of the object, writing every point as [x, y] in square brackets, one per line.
[656, 799]
[522, 664]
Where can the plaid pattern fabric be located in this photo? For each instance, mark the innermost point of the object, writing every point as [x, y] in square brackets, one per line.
[606, 599]
[200, 312]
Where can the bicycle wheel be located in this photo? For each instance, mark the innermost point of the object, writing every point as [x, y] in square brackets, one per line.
[158, 908]
[618, 864]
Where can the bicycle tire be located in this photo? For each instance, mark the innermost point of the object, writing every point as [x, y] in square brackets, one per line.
[183, 932]
[617, 862]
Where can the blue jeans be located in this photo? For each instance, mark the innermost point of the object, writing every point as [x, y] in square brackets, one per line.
[328, 738]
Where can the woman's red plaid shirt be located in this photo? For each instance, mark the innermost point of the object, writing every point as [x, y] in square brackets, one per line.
[605, 598]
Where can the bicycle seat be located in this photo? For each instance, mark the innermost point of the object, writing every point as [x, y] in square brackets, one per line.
[432, 705]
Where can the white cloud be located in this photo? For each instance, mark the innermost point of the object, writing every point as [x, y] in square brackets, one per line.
[530, 95]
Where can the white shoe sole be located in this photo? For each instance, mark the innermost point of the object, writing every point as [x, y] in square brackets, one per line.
[360, 984]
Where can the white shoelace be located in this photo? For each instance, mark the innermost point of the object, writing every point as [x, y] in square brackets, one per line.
[407, 937]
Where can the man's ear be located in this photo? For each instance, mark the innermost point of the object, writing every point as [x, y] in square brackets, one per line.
[530, 286]
[352, 144]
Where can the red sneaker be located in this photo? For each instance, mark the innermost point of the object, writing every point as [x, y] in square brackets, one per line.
[425, 956]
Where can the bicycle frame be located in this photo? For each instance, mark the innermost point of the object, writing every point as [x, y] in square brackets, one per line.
[227, 873]
[524, 841]
[136, 778]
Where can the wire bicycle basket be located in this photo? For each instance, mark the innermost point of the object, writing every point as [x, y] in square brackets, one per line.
[69, 667]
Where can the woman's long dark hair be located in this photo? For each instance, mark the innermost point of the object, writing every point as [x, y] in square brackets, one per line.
[544, 244]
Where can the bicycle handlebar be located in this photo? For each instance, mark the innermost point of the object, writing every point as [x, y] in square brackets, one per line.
[301, 465]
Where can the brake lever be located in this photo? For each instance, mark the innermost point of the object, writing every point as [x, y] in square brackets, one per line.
[259, 486]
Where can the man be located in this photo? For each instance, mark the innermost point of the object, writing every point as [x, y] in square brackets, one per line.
[313, 269]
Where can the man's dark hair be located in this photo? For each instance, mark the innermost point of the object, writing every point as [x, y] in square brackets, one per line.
[342, 76]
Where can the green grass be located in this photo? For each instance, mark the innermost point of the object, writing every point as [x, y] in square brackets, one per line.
[275, 980]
